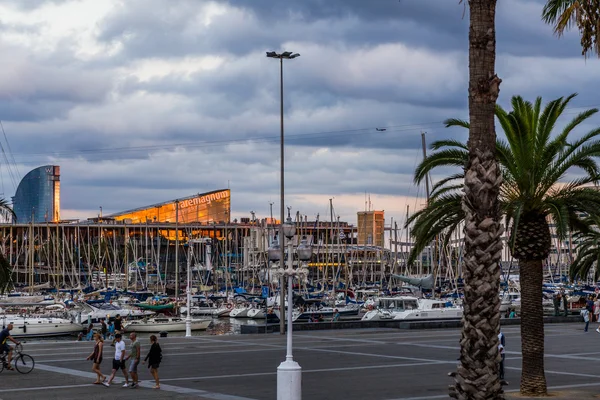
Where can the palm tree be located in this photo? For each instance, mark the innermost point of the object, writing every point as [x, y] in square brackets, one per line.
[5, 270]
[588, 250]
[533, 163]
[584, 14]
[478, 372]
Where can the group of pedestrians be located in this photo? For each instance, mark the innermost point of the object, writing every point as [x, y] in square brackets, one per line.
[591, 312]
[154, 357]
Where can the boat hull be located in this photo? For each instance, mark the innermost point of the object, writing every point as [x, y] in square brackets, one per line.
[155, 327]
[42, 327]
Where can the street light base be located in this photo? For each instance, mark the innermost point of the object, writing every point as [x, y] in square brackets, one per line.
[289, 381]
[188, 327]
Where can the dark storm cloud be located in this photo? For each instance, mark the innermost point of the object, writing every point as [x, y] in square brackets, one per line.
[260, 25]
[179, 127]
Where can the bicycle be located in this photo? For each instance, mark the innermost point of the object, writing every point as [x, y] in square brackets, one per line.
[24, 363]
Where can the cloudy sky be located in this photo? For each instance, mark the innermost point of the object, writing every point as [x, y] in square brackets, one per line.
[142, 101]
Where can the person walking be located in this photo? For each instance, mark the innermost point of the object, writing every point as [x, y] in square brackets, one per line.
[96, 358]
[154, 357]
[501, 346]
[111, 331]
[597, 309]
[90, 332]
[118, 325]
[556, 300]
[585, 313]
[103, 328]
[118, 362]
[134, 356]
[565, 306]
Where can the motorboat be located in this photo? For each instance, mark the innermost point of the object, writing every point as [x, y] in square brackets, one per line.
[412, 308]
[199, 311]
[256, 313]
[323, 313]
[101, 311]
[40, 326]
[169, 324]
[241, 311]
[223, 311]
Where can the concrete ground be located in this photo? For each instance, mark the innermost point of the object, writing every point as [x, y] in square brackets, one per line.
[373, 364]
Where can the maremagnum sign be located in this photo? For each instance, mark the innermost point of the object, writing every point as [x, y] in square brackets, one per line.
[203, 207]
[203, 199]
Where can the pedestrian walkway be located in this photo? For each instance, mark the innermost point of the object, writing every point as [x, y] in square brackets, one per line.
[375, 364]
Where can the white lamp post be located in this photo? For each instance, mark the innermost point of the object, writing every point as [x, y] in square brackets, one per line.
[289, 372]
[188, 318]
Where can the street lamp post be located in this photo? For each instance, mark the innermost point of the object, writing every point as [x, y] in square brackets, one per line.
[288, 55]
[289, 372]
[188, 318]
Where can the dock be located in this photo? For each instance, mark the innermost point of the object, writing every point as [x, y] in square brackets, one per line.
[353, 364]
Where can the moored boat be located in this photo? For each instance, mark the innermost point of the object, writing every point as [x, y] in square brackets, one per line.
[169, 324]
[39, 326]
[412, 308]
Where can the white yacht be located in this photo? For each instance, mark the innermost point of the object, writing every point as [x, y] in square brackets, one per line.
[169, 324]
[102, 311]
[40, 326]
[412, 308]
[242, 311]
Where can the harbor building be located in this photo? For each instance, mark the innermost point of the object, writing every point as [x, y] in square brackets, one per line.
[205, 208]
[371, 228]
[37, 198]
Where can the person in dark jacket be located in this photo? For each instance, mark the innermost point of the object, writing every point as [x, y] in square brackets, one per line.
[501, 346]
[154, 358]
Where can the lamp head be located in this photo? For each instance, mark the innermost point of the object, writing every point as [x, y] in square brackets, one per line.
[304, 250]
[289, 228]
[274, 251]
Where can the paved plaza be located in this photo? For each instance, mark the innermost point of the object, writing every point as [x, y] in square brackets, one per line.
[374, 364]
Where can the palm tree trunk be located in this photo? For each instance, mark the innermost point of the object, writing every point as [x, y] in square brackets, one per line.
[477, 374]
[533, 380]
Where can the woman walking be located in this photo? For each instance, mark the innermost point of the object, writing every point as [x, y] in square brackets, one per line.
[154, 358]
[96, 357]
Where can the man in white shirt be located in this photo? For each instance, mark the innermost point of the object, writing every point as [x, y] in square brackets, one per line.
[118, 361]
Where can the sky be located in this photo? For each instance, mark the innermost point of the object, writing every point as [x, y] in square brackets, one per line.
[144, 101]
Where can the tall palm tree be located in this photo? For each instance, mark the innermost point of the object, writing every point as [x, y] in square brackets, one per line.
[533, 162]
[584, 14]
[478, 372]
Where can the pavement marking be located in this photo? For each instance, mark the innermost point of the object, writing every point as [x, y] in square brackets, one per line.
[168, 388]
[560, 373]
[304, 371]
[445, 396]
[572, 357]
[45, 388]
[203, 393]
[352, 353]
[180, 354]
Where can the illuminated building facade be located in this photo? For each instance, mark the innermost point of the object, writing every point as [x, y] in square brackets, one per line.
[207, 208]
[371, 228]
[37, 198]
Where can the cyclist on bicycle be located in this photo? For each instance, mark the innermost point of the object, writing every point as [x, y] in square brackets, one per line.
[4, 347]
